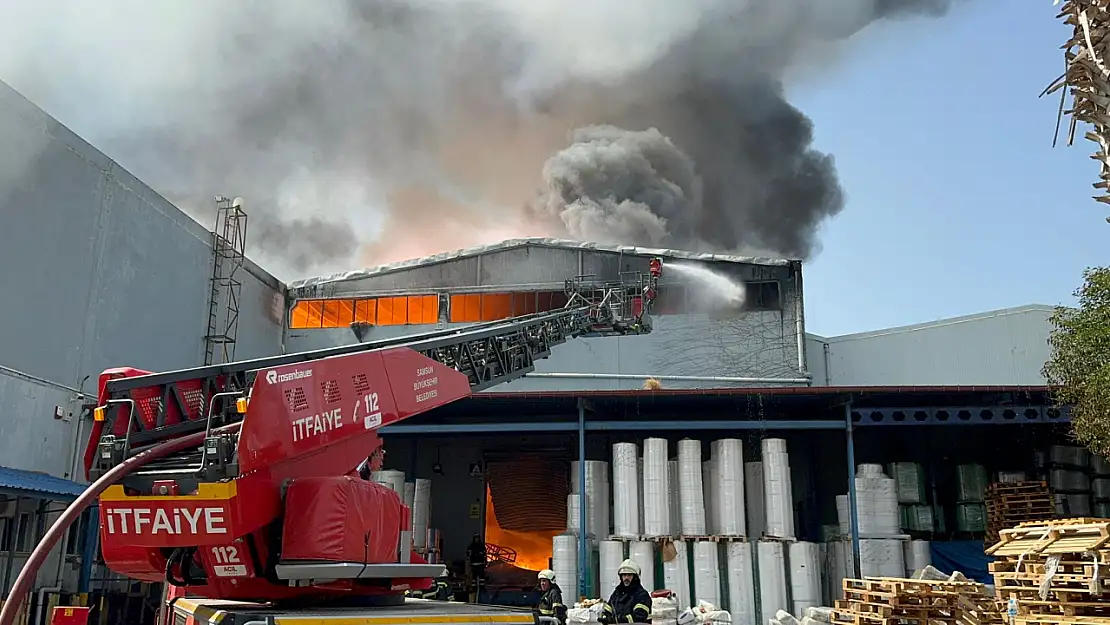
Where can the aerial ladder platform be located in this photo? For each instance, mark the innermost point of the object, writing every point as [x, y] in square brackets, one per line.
[238, 484]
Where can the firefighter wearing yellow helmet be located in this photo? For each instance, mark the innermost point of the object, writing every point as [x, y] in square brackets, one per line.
[630, 601]
[551, 597]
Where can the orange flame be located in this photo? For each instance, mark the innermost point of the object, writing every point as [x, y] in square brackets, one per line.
[533, 549]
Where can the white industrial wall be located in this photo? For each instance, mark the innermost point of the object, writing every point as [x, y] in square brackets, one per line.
[99, 271]
[1003, 347]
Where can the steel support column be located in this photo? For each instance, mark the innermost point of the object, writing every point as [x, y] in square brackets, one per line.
[11, 528]
[582, 553]
[89, 551]
[853, 511]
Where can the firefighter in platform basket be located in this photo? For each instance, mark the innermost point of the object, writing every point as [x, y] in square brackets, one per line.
[630, 602]
[551, 597]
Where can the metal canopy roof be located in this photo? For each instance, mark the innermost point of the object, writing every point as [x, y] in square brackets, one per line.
[744, 407]
[22, 483]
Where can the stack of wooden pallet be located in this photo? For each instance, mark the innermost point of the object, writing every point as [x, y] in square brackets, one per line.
[1054, 571]
[893, 601]
[1011, 503]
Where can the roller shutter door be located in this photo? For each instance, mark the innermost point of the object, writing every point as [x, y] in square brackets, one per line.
[529, 492]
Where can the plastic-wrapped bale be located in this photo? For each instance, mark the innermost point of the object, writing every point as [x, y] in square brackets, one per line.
[754, 513]
[916, 555]
[730, 488]
[691, 493]
[805, 575]
[741, 582]
[917, 518]
[610, 554]
[881, 558]
[707, 572]
[421, 512]
[676, 572]
[909, 479]
[1068, 481]
[971, 517]
[643, 553]
[626, 493]
[564, 561]
[772, 578]
[971, 482]
[777, 489]
[657, 488]
[1069, 455]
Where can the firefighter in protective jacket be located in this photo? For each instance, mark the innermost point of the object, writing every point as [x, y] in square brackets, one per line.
[551, 597]
[630, 602]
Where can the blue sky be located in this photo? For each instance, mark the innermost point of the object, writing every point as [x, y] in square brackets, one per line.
[957, 201]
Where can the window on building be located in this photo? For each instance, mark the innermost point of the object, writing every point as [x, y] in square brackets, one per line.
[676, 299]
[383, 311]
[479, 307]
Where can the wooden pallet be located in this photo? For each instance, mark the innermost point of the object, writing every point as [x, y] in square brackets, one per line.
[1011, 503]
[1052, 538]
[897, 601]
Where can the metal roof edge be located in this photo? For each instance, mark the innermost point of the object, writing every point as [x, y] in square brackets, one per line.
[552, 243]
[770, 390]
[989, 314]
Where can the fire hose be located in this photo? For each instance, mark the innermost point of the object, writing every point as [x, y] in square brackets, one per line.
[26, 579]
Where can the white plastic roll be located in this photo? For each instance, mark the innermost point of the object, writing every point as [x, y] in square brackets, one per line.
[887, 519]
[881, 558]
[564, 561]
[805, 576]
[611, 554]
[707, 573]
[421, 510]
[675, 516]
[597, 496]
[626, 493]
[691, 494]
[841, 565]
[404, 547]
[730, 488]
[410, 493]
[393, 479]
[642, 552]
[916, 555]
[640, 486]
[709, 496]
[754, 504]
[869, 470]
[772, 579]
[741, 583]
[777, 490]
[676, 575]
[657, 506]
[773, 446]
[844, 514]
[574, 513]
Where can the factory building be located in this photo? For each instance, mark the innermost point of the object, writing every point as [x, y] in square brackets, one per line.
[133, 281]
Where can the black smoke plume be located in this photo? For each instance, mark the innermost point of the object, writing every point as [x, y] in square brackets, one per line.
[367, 131]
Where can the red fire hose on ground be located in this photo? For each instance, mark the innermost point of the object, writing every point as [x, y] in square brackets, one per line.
[26, 579]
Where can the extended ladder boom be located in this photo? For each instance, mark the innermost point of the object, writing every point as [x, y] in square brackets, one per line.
[137, 409]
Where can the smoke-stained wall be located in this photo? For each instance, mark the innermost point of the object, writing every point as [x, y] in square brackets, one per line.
[719, 350]
[100, 272]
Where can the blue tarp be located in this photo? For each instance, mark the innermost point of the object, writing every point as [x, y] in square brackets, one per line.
[30, 484]
[965, 556]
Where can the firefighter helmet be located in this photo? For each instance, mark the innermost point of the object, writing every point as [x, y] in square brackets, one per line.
[547, 574]
[629, 567]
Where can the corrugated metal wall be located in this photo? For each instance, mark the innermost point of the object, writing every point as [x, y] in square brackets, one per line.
[99, 271]
[1001, 347]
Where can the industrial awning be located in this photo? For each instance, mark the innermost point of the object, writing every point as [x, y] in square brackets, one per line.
[20, 483]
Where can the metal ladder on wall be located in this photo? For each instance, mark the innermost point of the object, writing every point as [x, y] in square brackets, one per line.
[229, 245]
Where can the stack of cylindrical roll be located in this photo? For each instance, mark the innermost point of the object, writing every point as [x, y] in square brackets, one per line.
[564, 562]
[771, 564]
[805, 575]
[729, 474]
[657, 493]
[676, 575]
[597, 495]
[741, 582]
[626, 492]
[777, 489]
[691, 493]
[707, 573]
[611, 554]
